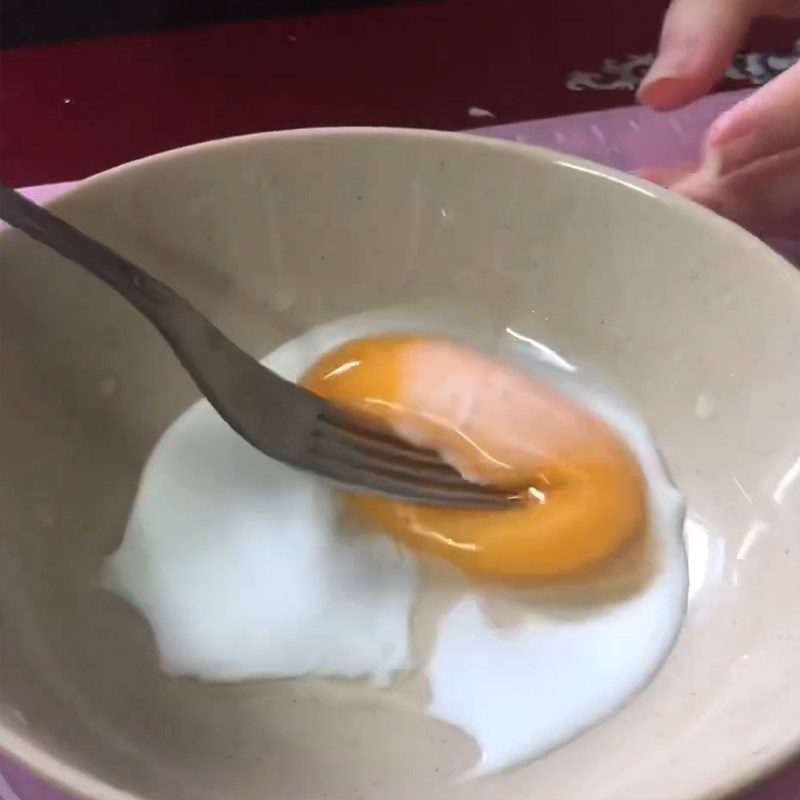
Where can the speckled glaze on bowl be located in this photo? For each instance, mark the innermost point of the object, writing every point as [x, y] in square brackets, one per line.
[698, 321]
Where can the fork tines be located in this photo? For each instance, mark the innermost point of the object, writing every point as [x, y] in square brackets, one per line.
[362, 454]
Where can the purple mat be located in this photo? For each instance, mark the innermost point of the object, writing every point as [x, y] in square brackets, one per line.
[632, 137]
[626, 138]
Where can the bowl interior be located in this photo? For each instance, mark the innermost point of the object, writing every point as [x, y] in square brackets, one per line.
[697, 321]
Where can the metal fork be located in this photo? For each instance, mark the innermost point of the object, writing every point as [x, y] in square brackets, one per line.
[281, 419]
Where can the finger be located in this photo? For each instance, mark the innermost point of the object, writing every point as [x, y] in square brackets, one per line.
[763, 196]
[666, 176]
[764, 124]
[698, 42]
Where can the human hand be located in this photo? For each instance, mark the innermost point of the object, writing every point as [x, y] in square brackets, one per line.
[751, 163]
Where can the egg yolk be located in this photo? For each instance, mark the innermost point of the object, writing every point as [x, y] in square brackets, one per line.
[496, 425]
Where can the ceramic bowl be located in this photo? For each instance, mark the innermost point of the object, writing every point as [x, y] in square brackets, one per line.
[697, 321]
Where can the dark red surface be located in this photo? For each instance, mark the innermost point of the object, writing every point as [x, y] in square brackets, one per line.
[70, 110]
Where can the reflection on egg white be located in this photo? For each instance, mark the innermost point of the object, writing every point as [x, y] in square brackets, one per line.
[705, 554]
[242, 571]
[751, 537]
[790, 480]
[543, 352]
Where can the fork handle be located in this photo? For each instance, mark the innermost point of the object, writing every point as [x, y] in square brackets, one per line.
[215, 363]
[145, 292]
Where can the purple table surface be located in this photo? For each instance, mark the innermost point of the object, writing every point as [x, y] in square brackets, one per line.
[626, 138]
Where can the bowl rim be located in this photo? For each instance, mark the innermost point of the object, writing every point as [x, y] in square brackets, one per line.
[80, 783]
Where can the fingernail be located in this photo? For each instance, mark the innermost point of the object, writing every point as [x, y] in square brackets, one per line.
[662, 94]
[733, 154]
[663, 86]
[734, 137]
[666, 176]
[731, 124]
[711, 165]
[699, 188]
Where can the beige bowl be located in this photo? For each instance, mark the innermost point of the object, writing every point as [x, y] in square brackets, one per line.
[697, 320]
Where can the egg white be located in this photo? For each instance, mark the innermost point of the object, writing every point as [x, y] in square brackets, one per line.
[239, 567]
[242, 570]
